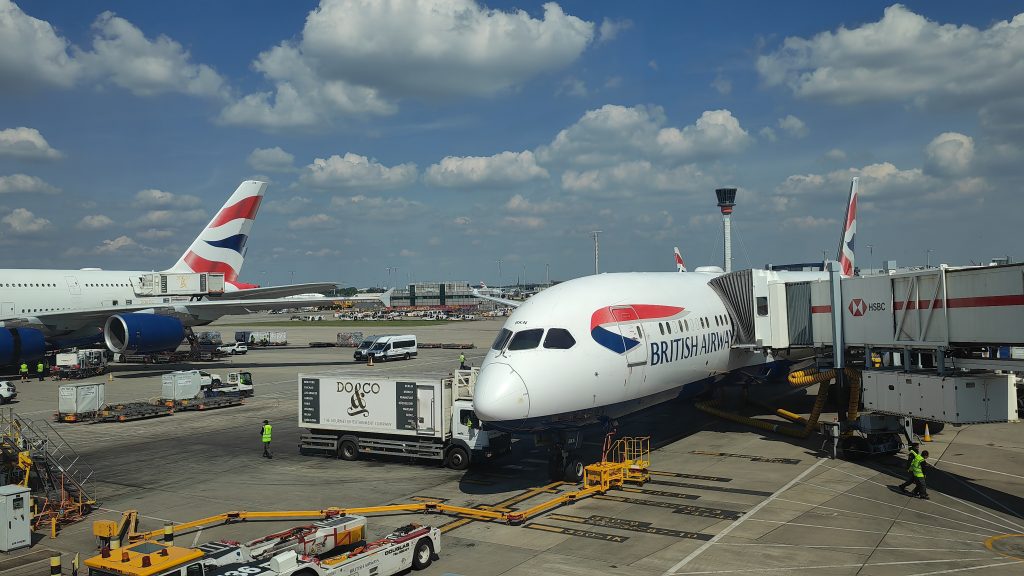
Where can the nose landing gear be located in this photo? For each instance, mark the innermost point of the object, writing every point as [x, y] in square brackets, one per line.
[564, 463]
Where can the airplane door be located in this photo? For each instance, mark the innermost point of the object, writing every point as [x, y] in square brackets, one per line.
[635, 342]
[425, 409]
[73, 287]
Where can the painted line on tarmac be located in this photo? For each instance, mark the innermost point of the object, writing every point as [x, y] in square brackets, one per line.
[711, 488]
[886, 533]
[664, 493]
[700, 511]
[689, 558]
[872, 564]
[631, 525]
[893, 549]
[983, 469]
[690, 476]
[866, 515]
[955, 570]
[581, 533]
[751, 457]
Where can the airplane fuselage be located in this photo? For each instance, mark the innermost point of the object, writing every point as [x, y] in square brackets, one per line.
[637, 339]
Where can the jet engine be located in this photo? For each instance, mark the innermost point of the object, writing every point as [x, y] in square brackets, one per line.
[142, 333]
[19, 345]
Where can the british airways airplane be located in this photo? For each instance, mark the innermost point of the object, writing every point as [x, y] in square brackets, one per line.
[596, 348]
[45, 309]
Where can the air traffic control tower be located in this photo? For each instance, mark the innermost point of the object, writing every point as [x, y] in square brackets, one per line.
[726, 201]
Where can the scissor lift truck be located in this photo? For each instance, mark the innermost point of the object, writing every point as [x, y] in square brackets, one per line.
[335, 546]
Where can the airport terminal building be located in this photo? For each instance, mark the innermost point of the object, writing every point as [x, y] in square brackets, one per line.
[453, 294]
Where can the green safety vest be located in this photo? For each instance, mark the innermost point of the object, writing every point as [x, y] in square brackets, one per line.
[462, 358]
[266, 432]
[24, 368]
[39, 367]
[915, 464]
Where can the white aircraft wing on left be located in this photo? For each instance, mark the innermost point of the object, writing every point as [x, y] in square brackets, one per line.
[502, 301]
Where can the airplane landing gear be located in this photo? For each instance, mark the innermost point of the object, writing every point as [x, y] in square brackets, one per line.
[564, 463]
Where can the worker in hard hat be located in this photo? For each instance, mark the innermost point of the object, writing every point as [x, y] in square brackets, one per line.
[916, 474]
[265, 437]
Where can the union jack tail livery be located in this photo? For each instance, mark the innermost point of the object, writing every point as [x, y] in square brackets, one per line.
[221, 246]
[680, 265]
[846, 260]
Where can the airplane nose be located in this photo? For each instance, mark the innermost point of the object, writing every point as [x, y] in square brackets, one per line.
[500, 395]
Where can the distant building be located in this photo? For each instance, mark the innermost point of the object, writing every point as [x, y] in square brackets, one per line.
[435, 294]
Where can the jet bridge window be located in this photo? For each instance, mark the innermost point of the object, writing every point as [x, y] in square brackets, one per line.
[559, 339]
[502, 339]
[526, 339]
[762, 305]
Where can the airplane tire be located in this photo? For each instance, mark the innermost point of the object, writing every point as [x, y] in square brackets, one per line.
[348, 450]
[573, 470]
[423, 555]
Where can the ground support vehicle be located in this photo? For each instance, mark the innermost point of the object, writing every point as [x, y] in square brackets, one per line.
[239, 383]
[78, 364]
[347, 416]
[8, 391]
[393, 347]
[262, 337]
[334, 546]
[233, 348]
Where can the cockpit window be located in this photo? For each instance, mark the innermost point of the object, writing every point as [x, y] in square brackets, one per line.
[559, 339]
[502, 339]
[526, 339]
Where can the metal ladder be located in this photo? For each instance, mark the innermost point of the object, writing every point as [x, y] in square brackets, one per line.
[58, 465]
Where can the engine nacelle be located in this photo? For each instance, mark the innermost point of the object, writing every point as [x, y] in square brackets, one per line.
[19, 345]
[142, 333]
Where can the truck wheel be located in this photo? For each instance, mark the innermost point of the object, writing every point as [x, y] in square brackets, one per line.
[348, 450]
[573, 469]
[458, 459]
[407, 356]
[423, 555]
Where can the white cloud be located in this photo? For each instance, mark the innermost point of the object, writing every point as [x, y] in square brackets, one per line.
[610, 29]
[722, 85]
[793, 126]
[123, 55]
[835, 154]
[634, 178]
[314, 222]
[768, 133]
[25, 143]
[22, 221]
[152, 198]
[271, 160]
[378, 208]
[573, 86]
[406, 253]
[116, 245]
[32, 54]
[156, 234]
[25, 184]
[169, 217]
[462, 221]
[357, 56]
[483, 171]
[653, 65]
[716, 132]
[527, 222]
[288, 206]
[903, 56]
[94, 222]
[613, 82]
[949, 154]
[809, 222]
[518, 203]
[355, 171]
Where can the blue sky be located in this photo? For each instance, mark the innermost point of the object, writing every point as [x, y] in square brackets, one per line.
[439, 137]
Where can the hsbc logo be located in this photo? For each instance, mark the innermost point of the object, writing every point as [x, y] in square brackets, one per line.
[859, 307]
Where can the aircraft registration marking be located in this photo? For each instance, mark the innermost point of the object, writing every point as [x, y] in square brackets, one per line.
[677, 508]
[632, 525]
[711, 488]
[750, 457]
[581, 533]
[664, 493]
[690, 476]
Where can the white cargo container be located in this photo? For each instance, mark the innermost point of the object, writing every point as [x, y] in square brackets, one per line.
[81, 399]
[968, 399]
[268, 338]
[183, 385]
[419, 417]
[179, 284]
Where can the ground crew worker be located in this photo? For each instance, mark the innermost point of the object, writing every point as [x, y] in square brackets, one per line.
[916, 475]
[24, 371]
[40, 370]
[265, 437]
[462, 362]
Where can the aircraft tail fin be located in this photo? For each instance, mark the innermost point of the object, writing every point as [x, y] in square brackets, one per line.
[846, 252]
[220, 247]
[680, 265]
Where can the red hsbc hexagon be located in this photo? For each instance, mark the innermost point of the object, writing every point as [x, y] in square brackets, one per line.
[857, 307]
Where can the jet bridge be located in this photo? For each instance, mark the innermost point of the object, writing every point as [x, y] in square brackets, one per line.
[943, 344]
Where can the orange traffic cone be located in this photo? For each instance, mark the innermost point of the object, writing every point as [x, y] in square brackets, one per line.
[927, 433]
[369, 359]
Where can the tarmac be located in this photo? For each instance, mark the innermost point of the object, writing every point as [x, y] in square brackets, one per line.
[723, 499]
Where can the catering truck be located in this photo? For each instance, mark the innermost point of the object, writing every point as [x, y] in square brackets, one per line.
[350, 415]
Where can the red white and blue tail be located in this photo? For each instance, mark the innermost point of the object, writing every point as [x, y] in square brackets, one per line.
[680, 265]
[846, 253]
[221, 245]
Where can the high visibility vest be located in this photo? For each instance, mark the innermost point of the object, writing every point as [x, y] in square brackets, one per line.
[39, 367]
[462, 358]
[915, 464]
[24, 368]
[266, 432]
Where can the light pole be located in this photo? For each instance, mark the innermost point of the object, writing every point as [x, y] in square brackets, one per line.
[390, 269]
[499, 261]
[524, 275]
[547, 274]
[597, 252]
[928, 258]
[871, 255]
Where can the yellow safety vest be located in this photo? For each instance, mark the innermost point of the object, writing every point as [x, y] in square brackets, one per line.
[266, 432]
[39, 367]
[915, 464]
[24, 368]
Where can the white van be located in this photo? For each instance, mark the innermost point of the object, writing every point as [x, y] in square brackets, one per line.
[393, 347]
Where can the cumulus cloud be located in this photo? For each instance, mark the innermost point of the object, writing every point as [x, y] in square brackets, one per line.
[170, 217]
[26, 143]
[904, 56]
[358, 56]
[722, 85]
[501, 169]
[289, 206]
[527, 222]
[354, 171]
[633, 178]
[610, 29]
[314, 222]
[271, 160]
[949, 154]
[116, 245]
[573, 86]
[153, 198]
[809, 222]
[835, 154]
[22, 221]
[94, 222]
[793, 126]
[716, 132]
[518, 203]
[122, 54]
[156, 234]
[32, 54]
[768, 133]
[377, 208]
[25, 184]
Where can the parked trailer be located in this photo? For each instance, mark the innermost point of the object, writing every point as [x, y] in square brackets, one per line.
[78, 364]
[262, 337]
[78, 402]
[194, 390]
[416, 417]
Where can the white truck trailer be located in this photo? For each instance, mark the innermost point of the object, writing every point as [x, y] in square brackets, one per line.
[350, 415]
[78, 364]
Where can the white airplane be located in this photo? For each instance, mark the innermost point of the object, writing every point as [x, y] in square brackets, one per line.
[41, 309]
[596, 348]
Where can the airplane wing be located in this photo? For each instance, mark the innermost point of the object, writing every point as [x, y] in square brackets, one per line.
[281, 291]
[502, 301]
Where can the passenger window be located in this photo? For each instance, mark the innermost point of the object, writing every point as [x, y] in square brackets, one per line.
[559, 339]
[661, 328]
[669, 326]
[639, 332]
[526, 339]
[680, 322]
[501, 339]
[762, 305]
[686, 324]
